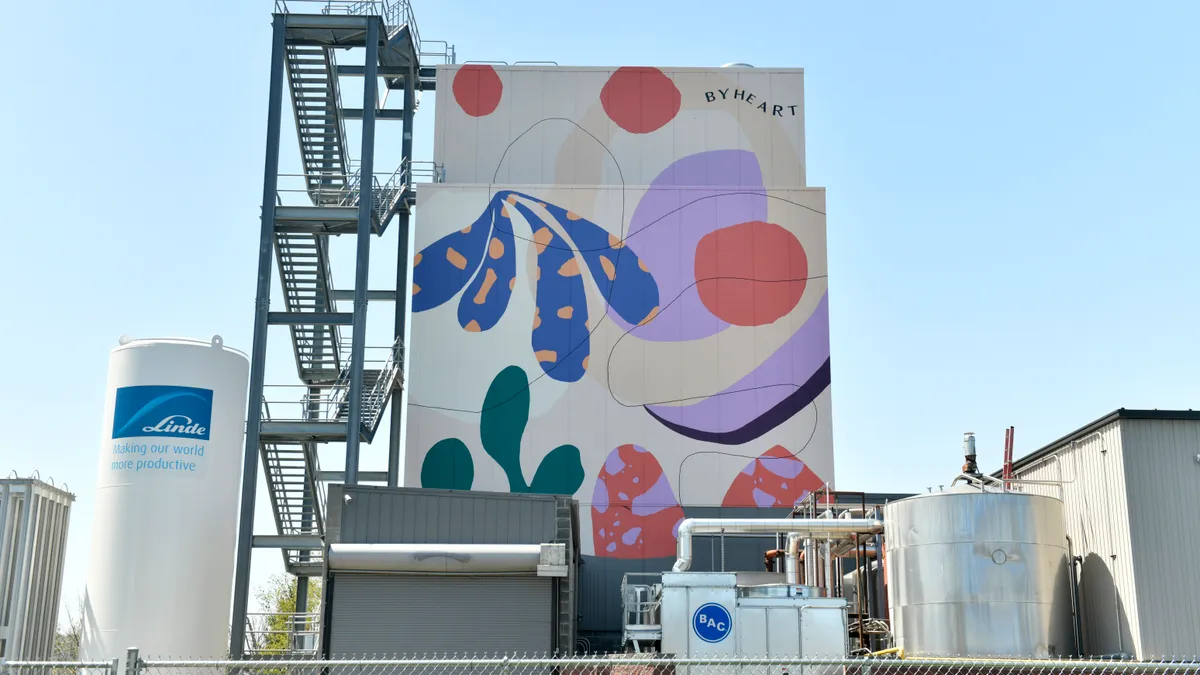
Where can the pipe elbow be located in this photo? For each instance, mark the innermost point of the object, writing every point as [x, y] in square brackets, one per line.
[683, 546]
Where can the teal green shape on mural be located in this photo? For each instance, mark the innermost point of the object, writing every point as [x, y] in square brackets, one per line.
[448, 466]
[502, 424]
[560, 473]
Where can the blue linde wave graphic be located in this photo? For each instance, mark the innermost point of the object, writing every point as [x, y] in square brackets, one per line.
[162, 411]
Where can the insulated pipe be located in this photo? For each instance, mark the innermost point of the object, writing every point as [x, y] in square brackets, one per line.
[443, 558]
[809, 527]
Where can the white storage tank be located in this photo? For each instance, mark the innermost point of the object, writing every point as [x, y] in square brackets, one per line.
[160, 574]
[979, 573]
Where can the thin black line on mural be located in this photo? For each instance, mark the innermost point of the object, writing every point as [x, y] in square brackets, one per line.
[626, 333]
[679, 474]
[624, 238]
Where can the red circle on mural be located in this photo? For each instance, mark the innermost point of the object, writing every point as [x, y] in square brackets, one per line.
[750, 274]
[477, 89]
[640, 100]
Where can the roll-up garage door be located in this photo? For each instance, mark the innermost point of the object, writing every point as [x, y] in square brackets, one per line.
[393, 614]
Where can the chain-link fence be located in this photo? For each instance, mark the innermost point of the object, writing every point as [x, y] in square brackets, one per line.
[59, 667]
[652, 664]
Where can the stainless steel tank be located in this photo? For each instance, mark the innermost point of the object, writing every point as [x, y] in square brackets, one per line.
[974, 573]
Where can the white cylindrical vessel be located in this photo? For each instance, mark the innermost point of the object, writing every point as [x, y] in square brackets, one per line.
[160, 574]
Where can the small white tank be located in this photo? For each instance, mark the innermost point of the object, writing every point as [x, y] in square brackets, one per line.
[164, 529]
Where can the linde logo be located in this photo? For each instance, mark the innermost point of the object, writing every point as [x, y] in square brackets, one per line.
[162, 411]
[177, 424]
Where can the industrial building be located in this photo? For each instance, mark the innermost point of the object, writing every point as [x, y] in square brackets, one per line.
[34, 519]
[607, 385]
[428, 571]
[1128, 486]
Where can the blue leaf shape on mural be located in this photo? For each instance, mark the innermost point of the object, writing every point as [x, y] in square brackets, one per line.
[635, 298]
[560, 328]
[441, 269]
[487, 296]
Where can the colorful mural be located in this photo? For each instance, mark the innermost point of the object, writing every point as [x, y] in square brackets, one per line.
[638, 315]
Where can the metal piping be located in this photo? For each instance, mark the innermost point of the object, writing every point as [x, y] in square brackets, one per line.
[808, 527]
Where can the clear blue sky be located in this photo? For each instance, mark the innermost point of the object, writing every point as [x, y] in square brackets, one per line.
[1012, 198]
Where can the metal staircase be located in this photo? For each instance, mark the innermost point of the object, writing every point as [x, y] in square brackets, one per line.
[303, 261]
[342, 394]
[319, 125]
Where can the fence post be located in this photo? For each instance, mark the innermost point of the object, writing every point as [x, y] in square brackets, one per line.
[132, 661]
[114, 668]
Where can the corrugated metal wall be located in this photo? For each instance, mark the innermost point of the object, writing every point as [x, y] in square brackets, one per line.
[392, 613]
[1097, 516]
[406, 615]
[1163, 483]
[413, 516]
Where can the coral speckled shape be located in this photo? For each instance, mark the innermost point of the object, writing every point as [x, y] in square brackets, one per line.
[634, 510]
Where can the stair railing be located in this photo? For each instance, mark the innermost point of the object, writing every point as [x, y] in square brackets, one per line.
[392, 368]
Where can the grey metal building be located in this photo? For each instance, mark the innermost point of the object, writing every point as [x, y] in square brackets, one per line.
[1130, 482]
[34, 517]
[411, 609]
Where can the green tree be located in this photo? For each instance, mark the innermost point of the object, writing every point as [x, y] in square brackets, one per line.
[273, 630]
[66, 641]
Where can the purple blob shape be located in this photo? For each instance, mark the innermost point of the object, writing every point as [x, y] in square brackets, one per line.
[762, 499]
[762, 388]
[622, 496]
[611, 547]
[802, 497]
[600, 496]
[694, 196]
[657, 498]
[630, 537]
[748, 469]
[602, 535]
[614, 463]
[784, 467]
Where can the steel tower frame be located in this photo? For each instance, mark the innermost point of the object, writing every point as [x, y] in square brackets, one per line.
[342, 394]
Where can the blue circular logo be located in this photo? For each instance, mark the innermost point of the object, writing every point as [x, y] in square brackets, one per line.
[712, 622]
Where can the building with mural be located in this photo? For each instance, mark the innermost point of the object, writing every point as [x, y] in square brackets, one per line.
[620, 293]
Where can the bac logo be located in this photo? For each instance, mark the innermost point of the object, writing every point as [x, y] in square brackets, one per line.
[712, 622]
[174, 412]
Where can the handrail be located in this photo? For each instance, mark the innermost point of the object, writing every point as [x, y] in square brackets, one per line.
[395, 13]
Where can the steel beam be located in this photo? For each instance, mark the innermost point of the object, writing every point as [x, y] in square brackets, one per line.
[310, 318]
[301, 431]
[383, 71]
[365, 201]
[363, 476]
[380, 114]
[309, 542]
[317, 214]
[384, 296]
[258, 352]
[402, 291]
